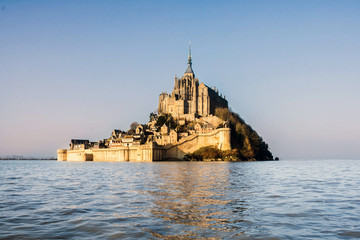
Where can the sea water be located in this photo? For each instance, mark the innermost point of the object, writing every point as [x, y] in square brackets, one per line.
[180, 200]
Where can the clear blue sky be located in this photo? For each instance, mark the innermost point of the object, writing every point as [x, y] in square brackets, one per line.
[78, 69]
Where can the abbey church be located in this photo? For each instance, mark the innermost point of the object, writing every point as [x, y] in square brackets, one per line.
[189, 99]
[188, 124]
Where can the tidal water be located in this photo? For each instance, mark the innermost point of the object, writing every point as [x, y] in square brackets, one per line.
[180, 200]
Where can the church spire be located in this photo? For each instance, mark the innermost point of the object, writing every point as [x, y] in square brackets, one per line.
[189, 67]
[189, 58]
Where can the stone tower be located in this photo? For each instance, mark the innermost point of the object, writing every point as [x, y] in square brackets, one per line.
[189, 99]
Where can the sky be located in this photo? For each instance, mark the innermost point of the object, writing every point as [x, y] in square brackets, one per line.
[79, 69]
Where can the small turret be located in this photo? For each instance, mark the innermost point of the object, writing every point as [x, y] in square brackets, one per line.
[175, 81]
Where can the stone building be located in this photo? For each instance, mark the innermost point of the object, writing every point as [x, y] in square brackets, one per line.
[189, 99]
[79, 144]
[191, 104]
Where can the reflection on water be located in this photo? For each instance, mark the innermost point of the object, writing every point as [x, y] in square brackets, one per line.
[192, 195]
[179, 200]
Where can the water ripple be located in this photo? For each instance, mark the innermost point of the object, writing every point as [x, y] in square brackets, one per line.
[257, 200]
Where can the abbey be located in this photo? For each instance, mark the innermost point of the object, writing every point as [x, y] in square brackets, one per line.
[184, 123]
[189, 99]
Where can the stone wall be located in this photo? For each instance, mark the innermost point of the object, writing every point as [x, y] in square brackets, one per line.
[213, 120]
[219, 138]
[78, 155]
[124, 154]
[61, 154]
[146, 153]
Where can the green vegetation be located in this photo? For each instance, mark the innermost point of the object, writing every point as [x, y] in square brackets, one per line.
[182, 128]
[249, 145]
[246, 144]
[165, 119]
[132, 129]
[153, 116]
[212, 154]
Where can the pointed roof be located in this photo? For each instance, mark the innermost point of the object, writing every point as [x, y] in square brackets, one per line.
[189, 68]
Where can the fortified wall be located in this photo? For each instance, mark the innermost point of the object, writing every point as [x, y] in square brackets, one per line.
[121, 154]
[219, 138]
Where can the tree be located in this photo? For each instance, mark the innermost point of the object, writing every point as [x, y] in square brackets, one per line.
[166, 119]
[133, 125]
[153, 116]
[243, 138]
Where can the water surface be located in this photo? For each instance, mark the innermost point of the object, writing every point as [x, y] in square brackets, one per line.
[180, 200]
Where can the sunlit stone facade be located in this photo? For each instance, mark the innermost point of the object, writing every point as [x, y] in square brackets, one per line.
[189, 99]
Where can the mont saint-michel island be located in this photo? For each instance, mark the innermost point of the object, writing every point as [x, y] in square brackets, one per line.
[192, 123]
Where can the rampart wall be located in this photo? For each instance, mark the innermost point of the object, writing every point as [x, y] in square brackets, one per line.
[123, 154]
[219, 138]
